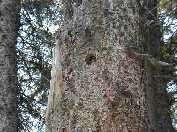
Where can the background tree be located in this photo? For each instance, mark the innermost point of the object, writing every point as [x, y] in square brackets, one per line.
[9, 23]
[108, 74]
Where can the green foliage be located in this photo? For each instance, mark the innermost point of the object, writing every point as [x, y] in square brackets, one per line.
[168, 51]
[34, 54]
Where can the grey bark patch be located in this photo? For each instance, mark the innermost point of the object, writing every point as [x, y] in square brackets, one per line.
[88, 33]
[77, 2]
[9, 19]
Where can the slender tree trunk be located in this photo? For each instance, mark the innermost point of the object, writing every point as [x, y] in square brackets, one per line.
[103, 78]
[9, 20]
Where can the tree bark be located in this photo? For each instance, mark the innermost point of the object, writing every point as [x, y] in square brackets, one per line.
[103, 78]
[9, 22]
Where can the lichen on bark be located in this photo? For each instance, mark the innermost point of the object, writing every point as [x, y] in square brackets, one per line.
[103, 86]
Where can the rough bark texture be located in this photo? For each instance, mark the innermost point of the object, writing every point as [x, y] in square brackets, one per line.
[9, 20]
[102, 80]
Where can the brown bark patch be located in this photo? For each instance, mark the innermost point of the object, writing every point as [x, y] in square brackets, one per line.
[59, 83]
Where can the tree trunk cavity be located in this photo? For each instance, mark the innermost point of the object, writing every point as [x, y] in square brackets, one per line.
[102, 80]
[9, 22]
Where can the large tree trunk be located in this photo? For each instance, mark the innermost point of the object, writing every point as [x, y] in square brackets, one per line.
[9, 20]
[103, 78]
